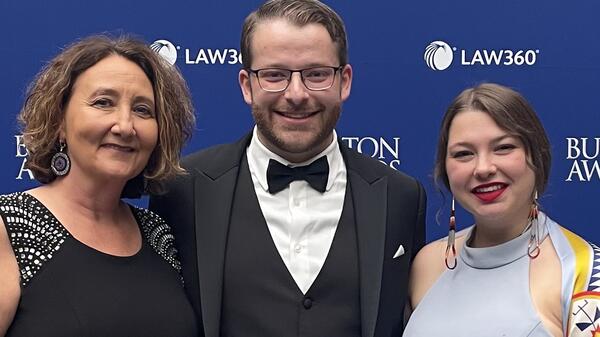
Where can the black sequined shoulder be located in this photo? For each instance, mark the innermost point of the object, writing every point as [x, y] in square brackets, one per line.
[34, 233]
[158, 234]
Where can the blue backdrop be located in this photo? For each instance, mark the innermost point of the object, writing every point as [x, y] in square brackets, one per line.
[548, 50]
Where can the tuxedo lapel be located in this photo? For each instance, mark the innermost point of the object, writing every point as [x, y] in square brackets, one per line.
[214, 187]
[212, 222]
[369, 193]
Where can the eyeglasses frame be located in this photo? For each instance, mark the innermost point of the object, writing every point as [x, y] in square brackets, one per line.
[292, 71]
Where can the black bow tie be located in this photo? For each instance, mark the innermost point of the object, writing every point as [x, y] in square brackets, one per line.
[280, 176]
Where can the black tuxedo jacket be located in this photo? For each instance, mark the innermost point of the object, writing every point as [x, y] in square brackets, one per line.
[389, 212]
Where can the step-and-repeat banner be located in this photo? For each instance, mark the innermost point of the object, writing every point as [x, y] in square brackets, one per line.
[410, 59]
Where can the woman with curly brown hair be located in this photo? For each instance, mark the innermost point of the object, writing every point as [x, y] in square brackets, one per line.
[105, 119]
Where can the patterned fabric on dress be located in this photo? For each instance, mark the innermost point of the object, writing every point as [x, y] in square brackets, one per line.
[581, 283]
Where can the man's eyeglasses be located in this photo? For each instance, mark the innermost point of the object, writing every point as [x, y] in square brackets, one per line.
[277, 80]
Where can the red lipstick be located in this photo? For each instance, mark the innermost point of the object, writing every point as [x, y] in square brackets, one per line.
[489, 192]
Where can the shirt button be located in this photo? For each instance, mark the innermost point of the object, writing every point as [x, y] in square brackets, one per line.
[298, 249]
[307, 303]
[297, 202]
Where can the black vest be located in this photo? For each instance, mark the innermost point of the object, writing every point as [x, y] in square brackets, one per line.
[260, 297]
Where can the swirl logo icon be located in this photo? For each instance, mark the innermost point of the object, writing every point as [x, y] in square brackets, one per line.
[438, 55]
[165, 49]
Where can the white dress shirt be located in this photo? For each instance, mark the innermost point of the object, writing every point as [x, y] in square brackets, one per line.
[301, 220]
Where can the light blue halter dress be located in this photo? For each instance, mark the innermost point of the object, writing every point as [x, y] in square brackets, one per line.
[486, 295]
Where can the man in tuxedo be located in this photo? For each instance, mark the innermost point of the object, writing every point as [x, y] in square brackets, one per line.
[288, 232]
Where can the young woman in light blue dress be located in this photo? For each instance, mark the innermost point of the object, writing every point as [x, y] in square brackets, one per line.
[515, 272]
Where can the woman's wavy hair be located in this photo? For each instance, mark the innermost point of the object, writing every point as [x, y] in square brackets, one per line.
[47, 96]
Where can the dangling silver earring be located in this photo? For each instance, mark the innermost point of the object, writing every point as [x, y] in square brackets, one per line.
[60, 163]
[533, 249]
[450, 247]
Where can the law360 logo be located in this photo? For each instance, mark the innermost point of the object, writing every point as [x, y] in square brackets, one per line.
[439, 55]
[201, 56]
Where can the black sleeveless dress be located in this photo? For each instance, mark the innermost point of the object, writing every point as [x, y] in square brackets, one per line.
[70, 289]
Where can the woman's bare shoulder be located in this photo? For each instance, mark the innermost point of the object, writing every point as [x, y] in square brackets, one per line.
[429, 264]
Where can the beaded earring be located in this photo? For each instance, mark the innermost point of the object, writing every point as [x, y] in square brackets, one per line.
[60, 162]
[533, 249]
[450, 247]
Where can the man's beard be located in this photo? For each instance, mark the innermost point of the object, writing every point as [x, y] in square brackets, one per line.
[266, 129]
